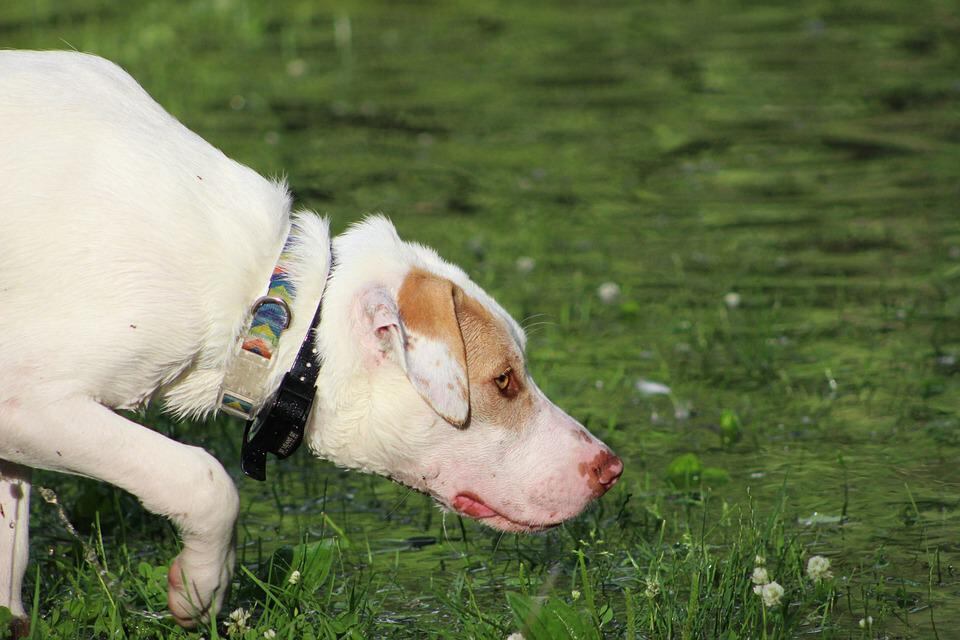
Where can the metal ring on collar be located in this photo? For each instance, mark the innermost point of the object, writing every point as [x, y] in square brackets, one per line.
[262, 300]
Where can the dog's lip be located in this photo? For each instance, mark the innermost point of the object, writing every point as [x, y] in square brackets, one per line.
[469, 504]
[465, 502]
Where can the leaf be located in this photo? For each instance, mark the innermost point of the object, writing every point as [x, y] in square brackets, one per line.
[312, 559]
[550, 618]
[684, 471]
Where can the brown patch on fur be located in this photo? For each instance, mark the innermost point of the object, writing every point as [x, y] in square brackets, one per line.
[436, 308]
[491, 351]
[427, 306]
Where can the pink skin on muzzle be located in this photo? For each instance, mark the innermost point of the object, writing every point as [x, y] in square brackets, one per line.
[549, 475]
[601, 474]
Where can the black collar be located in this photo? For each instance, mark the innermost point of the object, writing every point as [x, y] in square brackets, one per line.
[279, 425]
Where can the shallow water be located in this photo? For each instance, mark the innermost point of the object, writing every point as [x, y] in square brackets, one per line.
[804, 156]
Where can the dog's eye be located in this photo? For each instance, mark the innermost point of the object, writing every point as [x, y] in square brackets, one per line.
[503, 380]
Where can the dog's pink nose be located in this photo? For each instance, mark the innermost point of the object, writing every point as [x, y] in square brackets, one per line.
[603, 472]
[610, 471]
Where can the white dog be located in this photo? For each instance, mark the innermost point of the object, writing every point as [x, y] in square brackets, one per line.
[134, 262]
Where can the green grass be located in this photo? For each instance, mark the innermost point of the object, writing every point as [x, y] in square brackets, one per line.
[805, 156]
[624, 574]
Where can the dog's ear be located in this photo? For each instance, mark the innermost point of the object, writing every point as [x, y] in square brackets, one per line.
[420, 329]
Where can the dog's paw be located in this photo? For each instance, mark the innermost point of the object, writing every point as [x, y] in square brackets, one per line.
[196, 589]
[18, 629]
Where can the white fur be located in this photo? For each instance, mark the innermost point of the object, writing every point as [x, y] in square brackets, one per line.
[132, 252]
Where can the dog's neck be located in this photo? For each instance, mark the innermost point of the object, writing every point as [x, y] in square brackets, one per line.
[307, 262]
[275, 424]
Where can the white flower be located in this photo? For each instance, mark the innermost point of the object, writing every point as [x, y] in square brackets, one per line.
[759, 561]
[866, 623]
[732, 300]
[294, 577]
[609, 292]
[760, 576]
[269, 634]
[525, 264]
[653, 588]
[515, 636]
[575, 594]
[237, 621]
[818, 568]
[771, 593]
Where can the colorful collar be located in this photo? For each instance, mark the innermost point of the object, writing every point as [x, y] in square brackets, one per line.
[274, 424]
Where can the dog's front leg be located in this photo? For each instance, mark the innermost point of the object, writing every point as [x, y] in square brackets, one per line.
[184, 483]
[14, 529]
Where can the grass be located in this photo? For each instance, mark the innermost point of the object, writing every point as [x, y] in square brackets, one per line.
[679, 568]
[802, 156]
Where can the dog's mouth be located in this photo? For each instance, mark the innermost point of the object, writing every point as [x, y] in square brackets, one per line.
[471, 505]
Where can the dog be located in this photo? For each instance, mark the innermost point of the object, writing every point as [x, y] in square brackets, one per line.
[136, 259]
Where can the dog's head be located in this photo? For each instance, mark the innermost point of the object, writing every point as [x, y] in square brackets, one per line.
[425, 381]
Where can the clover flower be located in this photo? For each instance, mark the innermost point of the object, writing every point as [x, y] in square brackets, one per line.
[760, 576]
[652, 588]
[609, 292]
[818, 568]
[237, 621]
[771, 593]
[294, 577]
[269, 634]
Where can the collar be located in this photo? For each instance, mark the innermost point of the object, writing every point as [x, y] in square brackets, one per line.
[274, 423]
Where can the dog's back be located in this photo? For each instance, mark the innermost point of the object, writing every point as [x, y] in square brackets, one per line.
[108, 203]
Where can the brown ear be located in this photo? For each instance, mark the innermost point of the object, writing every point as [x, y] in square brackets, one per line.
[435, 355]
